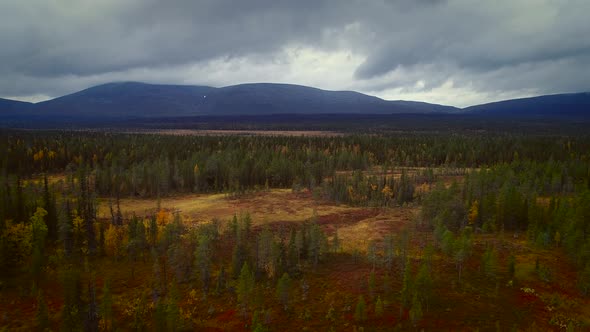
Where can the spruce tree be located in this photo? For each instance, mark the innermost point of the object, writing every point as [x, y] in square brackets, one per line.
[245, 287]
[379, 307]
[416, 310]
[406, 288]
[106, 308]
[284, 290]
[360, 312]
[41, 317]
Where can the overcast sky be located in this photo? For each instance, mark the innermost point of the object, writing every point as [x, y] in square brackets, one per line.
[450, 52]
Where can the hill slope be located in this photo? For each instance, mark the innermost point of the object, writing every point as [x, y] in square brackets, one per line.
[124, 100]
[571, 104]
[7, 105]
[140, 100]
[132, 100]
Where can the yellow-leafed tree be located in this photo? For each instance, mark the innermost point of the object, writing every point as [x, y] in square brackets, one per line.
[473, 213]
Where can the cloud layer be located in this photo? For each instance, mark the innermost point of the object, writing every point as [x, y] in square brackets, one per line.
[453, 52]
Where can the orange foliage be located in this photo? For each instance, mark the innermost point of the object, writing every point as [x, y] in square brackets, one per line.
[163, 217]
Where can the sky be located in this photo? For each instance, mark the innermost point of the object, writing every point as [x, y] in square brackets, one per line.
[456, 52]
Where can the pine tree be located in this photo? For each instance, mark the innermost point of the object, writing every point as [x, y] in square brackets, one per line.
[462, 250]
[239, 257]
[416, 310]
[511, 266]
[372, 253]
[584, 280]
[139, 313]
[489, 262]
[203, 262]
[41, 317]
[473, 215]
[153, 237]
[448, 242]
[160, 316]
[336, 242]
[245, 287]
[66, 230]
[284, 290]
[71, 312]
[92, 319]
[258, 321]
[157, 282]
[106, 308]
[264, 259]
[172, 309]
[39, 234]
[387, 289]
[372, 283]
[51, 219]
[424, 285]
[379, 307]
[360, 312]
[331, 314]
[406, 288]
[388, 251]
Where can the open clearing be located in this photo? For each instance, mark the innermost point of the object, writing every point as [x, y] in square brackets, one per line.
[223, 132]
[356, 226]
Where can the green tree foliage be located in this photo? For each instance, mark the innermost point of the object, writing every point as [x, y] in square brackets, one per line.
[284, 290]
[137, 311]
[336, 245]
[489, 262]
[51, 219]
[245, 287]
[38, 234]
[267, 254]
[91, 322]
[424, 286]
[514, 184]
[258, 321]
[444, 205]
[448, 242]
[511, 266]
[221, 280]
[379, 307]
[107, 318]
[462, 250]
[360, 311]
[389, 251]
[407, 285]
[372, 255]
[41, 316]
[416, 313]
[372, 283]
[173, 318]
[180, 256]
[584, 280]
[72, 310]
[203, 255]
[160, 315]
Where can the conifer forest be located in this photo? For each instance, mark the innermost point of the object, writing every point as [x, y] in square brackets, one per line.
[114, 231]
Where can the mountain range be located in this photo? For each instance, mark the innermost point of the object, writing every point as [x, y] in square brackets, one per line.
[128, 100]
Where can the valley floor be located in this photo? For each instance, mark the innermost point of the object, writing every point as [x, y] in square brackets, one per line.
[474, 301]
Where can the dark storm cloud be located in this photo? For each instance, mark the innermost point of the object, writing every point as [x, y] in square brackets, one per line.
[53, 47]
[83, 40]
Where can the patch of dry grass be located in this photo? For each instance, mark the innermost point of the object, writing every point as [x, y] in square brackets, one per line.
[277, 205]
[356, 226]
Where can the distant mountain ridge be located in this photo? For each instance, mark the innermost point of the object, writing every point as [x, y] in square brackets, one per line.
[142, 100]
[567, 104]
[129, 100]
[13, 105]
